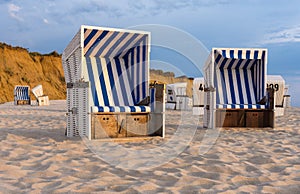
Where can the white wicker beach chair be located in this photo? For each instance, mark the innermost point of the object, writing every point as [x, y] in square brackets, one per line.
[198, 96]
[42, 100]
[236, 93]
[278, 83]
[108, 93]
[21, 95]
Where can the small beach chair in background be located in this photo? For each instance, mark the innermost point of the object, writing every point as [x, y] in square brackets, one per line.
[235, 89]
[177, 98]
[21, 95]
[42, 100]
[198, 96]
[108, 91]
[278, 83]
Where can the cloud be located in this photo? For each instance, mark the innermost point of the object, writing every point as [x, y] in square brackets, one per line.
[13, 11]
[45, 21]
[287, 35]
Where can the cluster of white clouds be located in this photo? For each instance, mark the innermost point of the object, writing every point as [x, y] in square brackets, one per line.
[286, 35]
[47, 10]
[13, 11]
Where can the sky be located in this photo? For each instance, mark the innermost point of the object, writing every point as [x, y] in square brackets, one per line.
[47, 25]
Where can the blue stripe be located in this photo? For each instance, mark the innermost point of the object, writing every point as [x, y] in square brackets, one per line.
[132, 75]
[92, 80]
[248, 92]
[239, 81]
[125, 46]
[121, 81]
[132, 109]
[90, 36]
[230, 77]
[240, 54]
[97, 41]
[137, 65]
[145, 64]
[111, 109]
[122, 109]
[112, 82]
[248, 54]
[117, 44]
[255, 54]
[105, 44]
[263, 85]
[224, 53]
[102, 82]
[218, 59]
[231, 54]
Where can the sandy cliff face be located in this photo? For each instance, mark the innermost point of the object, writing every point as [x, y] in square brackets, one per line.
[20, 67]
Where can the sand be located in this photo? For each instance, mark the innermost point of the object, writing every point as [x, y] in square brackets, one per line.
[36, 157]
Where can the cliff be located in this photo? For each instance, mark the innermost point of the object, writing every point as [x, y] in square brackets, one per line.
[18, 66]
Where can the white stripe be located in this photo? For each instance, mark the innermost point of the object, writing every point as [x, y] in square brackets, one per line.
[134, 73]
[100, 45]
[129, 64]
[134, 41]
[252, 54]
[141, 79]
[97, 81]
[106, 109]
[138, 109]
[243, 54]
[117, 50]
[220, 90]
[117, 109]
[227, 63]
[127, 109]
[107, 82]
[227, 83]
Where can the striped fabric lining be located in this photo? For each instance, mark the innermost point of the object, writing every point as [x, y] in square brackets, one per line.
[21, 93]
[240, 77]
[241, 106]
[117, 109]
[117, 68]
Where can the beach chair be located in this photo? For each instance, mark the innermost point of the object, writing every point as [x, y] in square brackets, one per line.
[108, 91]
[21, 95]
[278, 83]
[42, 100]
[198, 96]
[235, 89]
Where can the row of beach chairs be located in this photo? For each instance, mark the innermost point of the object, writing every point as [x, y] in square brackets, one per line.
[22, 95]
[109, 94]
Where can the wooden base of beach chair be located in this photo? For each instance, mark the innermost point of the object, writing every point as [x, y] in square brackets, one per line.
[120, 125]
[245, 118]
[23, 102]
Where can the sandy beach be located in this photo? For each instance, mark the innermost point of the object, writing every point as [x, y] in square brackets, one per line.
[37, 157]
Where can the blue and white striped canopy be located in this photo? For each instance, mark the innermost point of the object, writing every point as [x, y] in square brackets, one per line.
[117, 66]
[239, 76]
